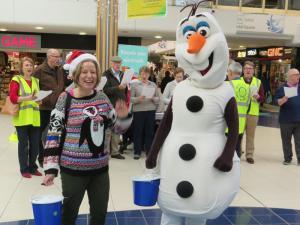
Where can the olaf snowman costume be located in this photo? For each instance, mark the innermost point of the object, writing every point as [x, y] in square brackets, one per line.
[199, 169]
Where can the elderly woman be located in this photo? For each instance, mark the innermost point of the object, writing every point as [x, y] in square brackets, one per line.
[143, 107]
[23, 88]
[76, 142]
[168, 93]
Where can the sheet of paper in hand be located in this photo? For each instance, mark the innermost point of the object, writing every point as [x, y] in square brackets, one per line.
[254, 90]
[42, 94]
[101, 84]
[290, 91]
[127, 76]
[148, 92]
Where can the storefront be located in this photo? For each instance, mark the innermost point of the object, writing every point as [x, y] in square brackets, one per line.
[14, 46]
[271, 65]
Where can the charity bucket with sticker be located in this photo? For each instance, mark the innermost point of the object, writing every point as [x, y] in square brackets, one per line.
[47, 209]
[145, 190]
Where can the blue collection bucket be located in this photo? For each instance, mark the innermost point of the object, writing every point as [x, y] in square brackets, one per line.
[145, 191]
[47, 209]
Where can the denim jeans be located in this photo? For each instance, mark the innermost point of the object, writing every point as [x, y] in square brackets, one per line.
[28, 147]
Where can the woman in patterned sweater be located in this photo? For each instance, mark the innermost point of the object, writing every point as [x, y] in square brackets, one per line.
[82, 156]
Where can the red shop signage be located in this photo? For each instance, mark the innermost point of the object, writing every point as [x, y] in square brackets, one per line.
[19, 41]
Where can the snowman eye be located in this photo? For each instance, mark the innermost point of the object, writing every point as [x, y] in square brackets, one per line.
[188, 31]
[204, 31]
[188, 34]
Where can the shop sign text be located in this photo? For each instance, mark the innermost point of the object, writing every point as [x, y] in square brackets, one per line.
[252, 52]
[241, 54]
[275, 52]
[16, 41]
[288, 51]
[263, 53]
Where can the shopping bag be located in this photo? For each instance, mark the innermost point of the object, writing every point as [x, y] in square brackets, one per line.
[10, 108]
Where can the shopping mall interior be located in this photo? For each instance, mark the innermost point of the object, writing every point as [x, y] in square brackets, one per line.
[266, 32]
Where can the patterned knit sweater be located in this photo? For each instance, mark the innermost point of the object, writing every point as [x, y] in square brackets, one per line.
[85, 149]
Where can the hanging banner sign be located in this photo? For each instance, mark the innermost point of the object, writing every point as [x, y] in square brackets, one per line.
[17, 41]
[146, 8]
[133, 56]
[260, 23]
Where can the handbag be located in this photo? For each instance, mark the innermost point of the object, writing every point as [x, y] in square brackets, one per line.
[10, 108]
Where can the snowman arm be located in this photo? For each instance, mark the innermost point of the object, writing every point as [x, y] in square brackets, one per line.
[160, 136]
[224, 162]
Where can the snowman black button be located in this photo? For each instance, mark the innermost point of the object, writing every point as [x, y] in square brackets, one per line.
[194, 103]
[187, 152]
[185, 189]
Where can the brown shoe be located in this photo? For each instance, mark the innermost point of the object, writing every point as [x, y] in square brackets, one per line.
[250, 160]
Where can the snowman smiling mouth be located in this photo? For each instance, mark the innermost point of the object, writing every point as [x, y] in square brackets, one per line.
[210, 60]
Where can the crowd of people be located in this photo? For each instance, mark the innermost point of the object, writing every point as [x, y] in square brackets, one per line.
[249, 94]
[76, 131]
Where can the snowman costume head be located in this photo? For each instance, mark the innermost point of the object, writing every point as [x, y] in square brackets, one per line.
[201, 49]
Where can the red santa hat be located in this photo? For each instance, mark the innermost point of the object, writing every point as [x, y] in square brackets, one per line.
[77, 57]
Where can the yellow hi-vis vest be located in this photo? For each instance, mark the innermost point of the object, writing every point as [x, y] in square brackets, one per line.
[29, 113]
[242, 97]
[254, 104]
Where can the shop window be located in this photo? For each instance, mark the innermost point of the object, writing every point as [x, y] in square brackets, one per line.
[275, 4]
[252, 3]
[294, 4]
[229, 2]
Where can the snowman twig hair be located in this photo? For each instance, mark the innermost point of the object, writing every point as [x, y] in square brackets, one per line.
[194, 7]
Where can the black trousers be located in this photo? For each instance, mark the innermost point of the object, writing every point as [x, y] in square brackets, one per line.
[45, 120]
[128, 135]
[28, 147]
[287, 131]
[143, 134]
[239, 145]
[74, 187]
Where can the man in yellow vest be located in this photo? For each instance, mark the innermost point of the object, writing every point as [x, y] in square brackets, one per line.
[257, 97]
[242, 96]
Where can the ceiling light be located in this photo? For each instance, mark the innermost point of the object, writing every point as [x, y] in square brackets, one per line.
[82, 33]
[242, 46]
[3, 29]
[39, 28]
[158, 37]
[229, 48]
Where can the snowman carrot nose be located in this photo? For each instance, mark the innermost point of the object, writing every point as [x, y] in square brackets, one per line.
[196, 43]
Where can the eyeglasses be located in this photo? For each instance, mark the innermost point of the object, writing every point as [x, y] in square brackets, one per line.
[248, 68]
[55, 56]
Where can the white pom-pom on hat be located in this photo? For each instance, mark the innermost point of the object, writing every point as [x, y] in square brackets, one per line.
[76, 57]
[79, 59]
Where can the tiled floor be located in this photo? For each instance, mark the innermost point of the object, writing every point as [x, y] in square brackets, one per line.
[267, 185]
[232, 216]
